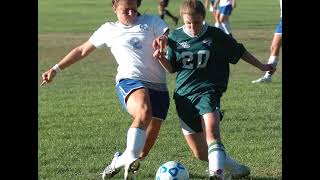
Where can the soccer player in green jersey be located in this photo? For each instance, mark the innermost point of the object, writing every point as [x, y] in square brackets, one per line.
[200, 55]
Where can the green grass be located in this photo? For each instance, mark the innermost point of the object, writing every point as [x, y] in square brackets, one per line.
[81, 122]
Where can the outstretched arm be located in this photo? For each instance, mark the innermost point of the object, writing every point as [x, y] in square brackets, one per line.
[163, 60]
[159, 45]
[249, 58]
[161, 42]
[73, 56]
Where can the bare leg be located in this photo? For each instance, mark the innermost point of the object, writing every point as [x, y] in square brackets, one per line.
[274, 52]
[273, 59]
[216, 18]
[138, 104]
[197, 144]
[152, 135]
[276, 45]
[161, 9]
[175, 19]
[225, 25]
[139, 107]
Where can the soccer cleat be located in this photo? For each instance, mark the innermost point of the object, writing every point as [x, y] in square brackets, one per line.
[131, 168]
[216, 175]
[263, 80]
[110, 170]
[240, 172]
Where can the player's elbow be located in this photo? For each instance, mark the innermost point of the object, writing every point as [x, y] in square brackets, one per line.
[86, 48]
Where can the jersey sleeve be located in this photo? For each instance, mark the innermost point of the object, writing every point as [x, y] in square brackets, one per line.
[234, 50]
[100, 37]
[159, 26]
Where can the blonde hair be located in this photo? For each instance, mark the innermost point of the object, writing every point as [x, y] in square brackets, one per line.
[115, 2]
[192, 7]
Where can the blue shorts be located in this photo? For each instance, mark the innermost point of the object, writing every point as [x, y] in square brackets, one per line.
[159, 99]
[279, 27]
[225, 10]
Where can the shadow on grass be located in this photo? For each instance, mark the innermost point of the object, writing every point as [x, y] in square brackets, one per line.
[202, 177]
[263, 178]
[193, 176]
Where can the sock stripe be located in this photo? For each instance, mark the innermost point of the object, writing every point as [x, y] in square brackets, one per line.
[217, 149]
[215, 143]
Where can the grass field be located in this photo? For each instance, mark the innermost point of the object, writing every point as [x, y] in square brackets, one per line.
[81, 122]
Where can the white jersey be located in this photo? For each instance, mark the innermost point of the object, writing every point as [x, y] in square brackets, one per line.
[132, 47]
[225, 2]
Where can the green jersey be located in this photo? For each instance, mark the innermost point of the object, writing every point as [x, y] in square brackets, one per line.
[202, 62]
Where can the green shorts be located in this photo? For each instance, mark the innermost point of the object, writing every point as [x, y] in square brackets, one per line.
[190, 109]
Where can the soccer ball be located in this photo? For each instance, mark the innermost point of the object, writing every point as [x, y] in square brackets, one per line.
[172, 170]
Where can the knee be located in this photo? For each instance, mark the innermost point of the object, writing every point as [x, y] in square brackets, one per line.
[274, 50]
[273, 47]
[144, 115]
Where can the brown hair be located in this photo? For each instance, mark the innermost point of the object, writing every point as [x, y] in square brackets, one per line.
[114, 2]
[192, 7]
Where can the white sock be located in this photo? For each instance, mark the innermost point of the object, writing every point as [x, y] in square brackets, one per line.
[226, 27]
[274, 61]
[136, 139]
[216, 156]
[217, 25]
[211, 8]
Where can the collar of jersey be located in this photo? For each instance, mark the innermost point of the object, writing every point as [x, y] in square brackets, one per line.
[128, 26]
[203, 30]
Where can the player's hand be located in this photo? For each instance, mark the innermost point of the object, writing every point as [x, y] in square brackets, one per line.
[268, 67]
[48, 76]
[160, 43]
[159, 55]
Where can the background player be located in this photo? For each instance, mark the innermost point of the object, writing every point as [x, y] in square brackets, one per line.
[214, 12]
[225, 8]
[163, 4]
[274, 50]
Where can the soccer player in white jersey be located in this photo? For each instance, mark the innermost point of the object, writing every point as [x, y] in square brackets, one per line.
[224, 8]
[274, 50]
[140, 81]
